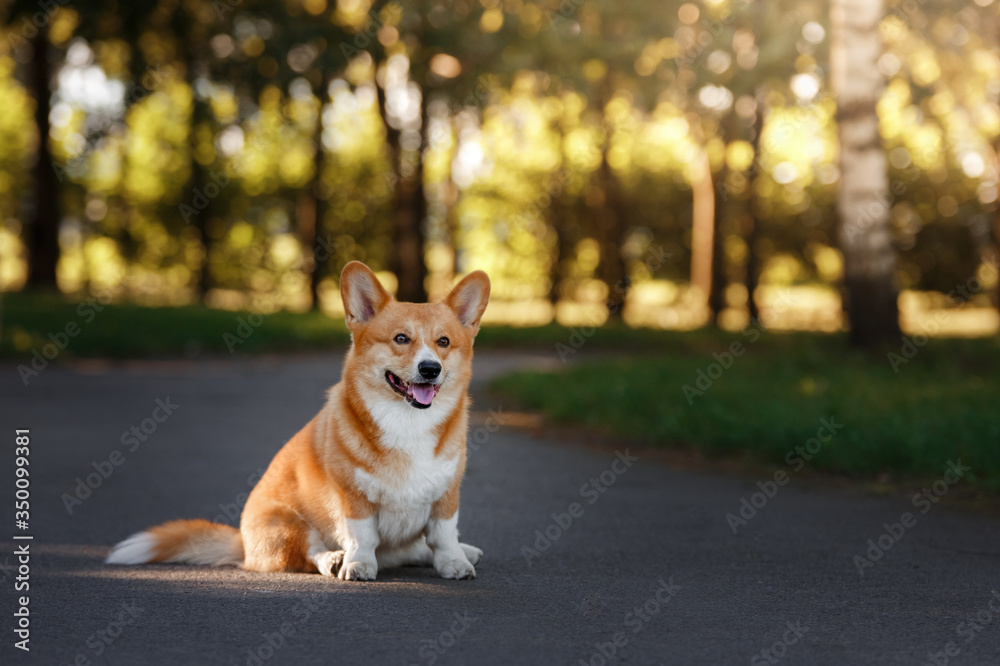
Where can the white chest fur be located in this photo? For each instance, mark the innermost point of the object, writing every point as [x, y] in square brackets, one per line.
[404, 496]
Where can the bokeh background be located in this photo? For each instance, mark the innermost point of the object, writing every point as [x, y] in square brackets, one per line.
[674, 165]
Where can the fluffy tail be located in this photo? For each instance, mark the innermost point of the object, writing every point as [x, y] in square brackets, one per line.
[187, 541]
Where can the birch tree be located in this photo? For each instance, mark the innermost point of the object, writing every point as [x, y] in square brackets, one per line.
[864, 200]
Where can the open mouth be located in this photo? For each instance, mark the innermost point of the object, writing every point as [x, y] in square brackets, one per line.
[418, 395]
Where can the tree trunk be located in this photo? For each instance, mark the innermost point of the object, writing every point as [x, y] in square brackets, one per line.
[43, 234]
[452, 226]
[200, 207]
[702, 226]
[752, 232]
[611, 227]
[863, 203]
[307, 231]
[612, 222]
[994, 251]
[559, 222]
[310, 214]
[995, 296]
[197, 182]
[558, 214]
[409, 208]
[717, 292]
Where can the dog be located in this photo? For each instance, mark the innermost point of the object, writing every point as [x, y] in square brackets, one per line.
[372, 482]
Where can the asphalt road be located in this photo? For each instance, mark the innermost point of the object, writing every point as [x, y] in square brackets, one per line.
[643, 567]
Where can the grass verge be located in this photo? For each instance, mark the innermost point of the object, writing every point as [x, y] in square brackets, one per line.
[943, 404]
[31, 320]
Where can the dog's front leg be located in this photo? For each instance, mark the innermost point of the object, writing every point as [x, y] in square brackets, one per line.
[359, 550]
[450, 560]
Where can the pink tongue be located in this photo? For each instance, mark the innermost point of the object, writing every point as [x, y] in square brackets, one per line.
[424, 393]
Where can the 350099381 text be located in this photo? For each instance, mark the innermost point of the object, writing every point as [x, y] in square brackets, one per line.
[22, 517]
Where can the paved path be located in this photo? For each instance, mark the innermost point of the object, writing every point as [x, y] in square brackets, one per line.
[649, 562]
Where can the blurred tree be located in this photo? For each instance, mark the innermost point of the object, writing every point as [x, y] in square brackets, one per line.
[592, 47]
[30, 36]
[611, 34]
[562, 213]
[940, 122]
[401, 30]
[864, 233]
[746, 50]
[192, 23]
[304, 47]
[385, 29]
[751, 223]
[409, 203]
[44, 235]
[31, 25]
[423, 48]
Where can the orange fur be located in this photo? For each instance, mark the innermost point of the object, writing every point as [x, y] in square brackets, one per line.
[174, 537]
[353, 465]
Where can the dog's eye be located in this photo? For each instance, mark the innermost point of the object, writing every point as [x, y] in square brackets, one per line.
[401, 339]
[443, 341]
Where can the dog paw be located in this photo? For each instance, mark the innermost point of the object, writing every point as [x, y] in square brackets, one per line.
[358, 571]
[456, 569]
[329, 563]
[473, 554]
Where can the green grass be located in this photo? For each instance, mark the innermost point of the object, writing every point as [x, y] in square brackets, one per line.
[132, 331]
[942, 405]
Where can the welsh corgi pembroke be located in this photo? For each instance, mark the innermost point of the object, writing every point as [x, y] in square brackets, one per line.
[372, 482]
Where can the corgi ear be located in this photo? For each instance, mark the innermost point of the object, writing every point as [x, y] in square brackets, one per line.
[363, 295]
[469, 298]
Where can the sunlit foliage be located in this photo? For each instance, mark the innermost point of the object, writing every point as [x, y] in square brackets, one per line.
[512, 169]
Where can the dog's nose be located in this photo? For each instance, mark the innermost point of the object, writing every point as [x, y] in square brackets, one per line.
[429, 369]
